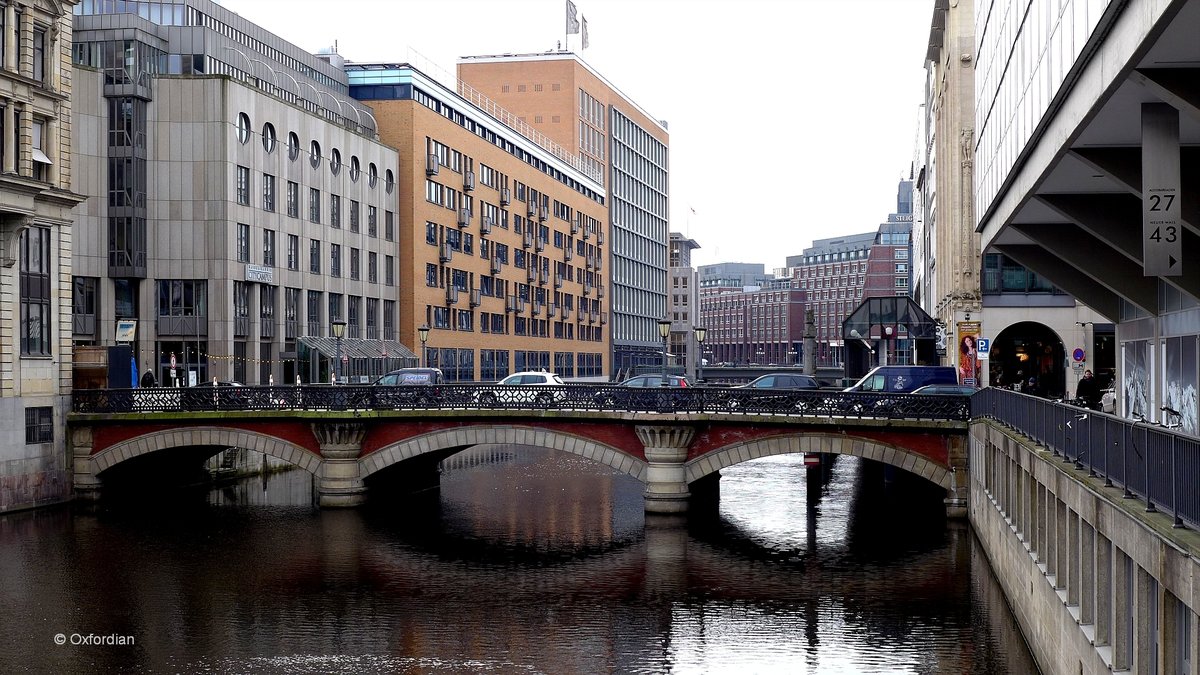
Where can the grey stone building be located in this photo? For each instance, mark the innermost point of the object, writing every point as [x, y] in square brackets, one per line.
[241, 203]
[35, 251]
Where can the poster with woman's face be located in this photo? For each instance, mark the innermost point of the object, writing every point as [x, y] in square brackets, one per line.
[968, 355]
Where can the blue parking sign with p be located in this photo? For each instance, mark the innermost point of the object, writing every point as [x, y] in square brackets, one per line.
[983, 345]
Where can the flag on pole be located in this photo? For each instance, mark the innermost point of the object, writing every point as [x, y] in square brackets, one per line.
[572, 21]
[585, 40]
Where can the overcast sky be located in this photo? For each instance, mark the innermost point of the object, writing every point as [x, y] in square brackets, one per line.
[789, 120]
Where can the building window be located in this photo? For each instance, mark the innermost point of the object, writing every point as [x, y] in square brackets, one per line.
[314, 205]
[372, 175]
[293, 252]
[39, 425]
[182, 297]
[293, 199]
[243, 128]
[355, 170]
[389, 183]
[335, 212]
[314, 154]
[269, 247]
[243, 242]
[35, 291]
[41, 161]
[354, 215]
[314, 313]
[371, 320]
[314, 256]
[373, 267]
[268, 138]
[39, 54]
[268, 192]
[355, 264]
[389, 270]
[372, 221]
[389, 226]
[335, 260]
[335, 308]
[901, 254]
[244, 185]
[293, 146]
[335, 162]
[389, 321]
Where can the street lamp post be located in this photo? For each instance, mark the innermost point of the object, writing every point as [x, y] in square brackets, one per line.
[758, 357]
[701, 332]
[339, 329]
[423, 333]
[664, 331]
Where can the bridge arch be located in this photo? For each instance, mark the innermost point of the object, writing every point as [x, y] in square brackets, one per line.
[208, 436]
[462, 437]
[807, 442]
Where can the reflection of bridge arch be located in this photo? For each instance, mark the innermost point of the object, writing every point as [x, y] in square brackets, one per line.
[220, 437]
[457, 438]
[807, 442]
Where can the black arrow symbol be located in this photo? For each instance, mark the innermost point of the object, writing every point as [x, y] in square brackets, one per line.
[1171, 261]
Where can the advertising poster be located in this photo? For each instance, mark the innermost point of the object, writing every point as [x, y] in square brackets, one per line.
[968, 357]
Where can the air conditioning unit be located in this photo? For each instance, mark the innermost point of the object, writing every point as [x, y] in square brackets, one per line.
[476, 297]
[505, 197]
[485, 225]
[469, 181]
[445, 252]
[451, 295]
[432, 164]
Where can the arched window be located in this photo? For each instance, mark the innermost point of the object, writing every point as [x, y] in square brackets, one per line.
[335, 161]
[354, 168]
[293, 146]
[314, 154]
[268, 134]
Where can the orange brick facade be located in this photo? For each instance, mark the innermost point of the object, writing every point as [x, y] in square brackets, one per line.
[477, 174]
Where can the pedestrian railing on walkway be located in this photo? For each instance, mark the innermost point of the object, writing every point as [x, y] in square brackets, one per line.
[1159, 465]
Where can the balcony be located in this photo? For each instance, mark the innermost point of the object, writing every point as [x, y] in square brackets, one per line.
[432, 165]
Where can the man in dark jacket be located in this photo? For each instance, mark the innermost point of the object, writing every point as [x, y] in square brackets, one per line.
[1088, 391]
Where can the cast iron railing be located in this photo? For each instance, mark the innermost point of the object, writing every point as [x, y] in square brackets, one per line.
[1146, 460]
[604, 397]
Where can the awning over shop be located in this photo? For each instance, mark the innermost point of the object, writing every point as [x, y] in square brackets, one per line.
[356, 348]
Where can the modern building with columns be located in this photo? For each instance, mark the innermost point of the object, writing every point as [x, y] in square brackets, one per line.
[241, 208]
[1084, 139]
[36, 240]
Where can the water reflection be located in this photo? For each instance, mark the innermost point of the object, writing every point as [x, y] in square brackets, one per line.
[523, 560]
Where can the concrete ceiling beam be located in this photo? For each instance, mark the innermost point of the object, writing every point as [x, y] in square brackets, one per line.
[1085, 289]
[1096, 260]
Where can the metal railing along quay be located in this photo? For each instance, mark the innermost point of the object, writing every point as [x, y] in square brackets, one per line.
[1159, 465]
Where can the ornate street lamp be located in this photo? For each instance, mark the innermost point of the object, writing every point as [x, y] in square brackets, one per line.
[423, 333]
[701, 332]
[664, 330]
[339, 329]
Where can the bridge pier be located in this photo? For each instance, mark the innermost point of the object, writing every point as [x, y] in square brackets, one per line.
[339, 480]
[957, 499]
[86, 483]
[666, 449]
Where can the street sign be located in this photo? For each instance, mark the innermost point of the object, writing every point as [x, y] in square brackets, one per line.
[172, 364]
[1078, 354]
[812, 459]
[1162, 234]
[983, 348]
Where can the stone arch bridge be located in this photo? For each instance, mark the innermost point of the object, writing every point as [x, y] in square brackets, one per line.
[347, 451]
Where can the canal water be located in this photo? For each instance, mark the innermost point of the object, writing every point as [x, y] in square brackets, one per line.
[525, 561]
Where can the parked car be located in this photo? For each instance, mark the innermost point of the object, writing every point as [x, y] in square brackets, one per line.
[956, 390]
[904, 379]
[896, 380]
[215, 394]
[947, 389]
[408, 388]
[521, 389]
[773, 392]
[642, 392]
